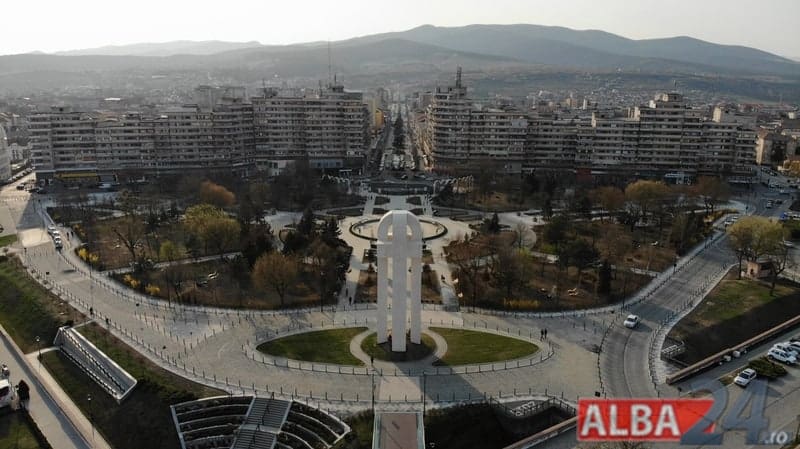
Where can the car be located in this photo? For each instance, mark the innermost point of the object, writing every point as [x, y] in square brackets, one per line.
[744, 377]
[20, 186]
[6, 393]
[51, 229]
[781, 356]
[788, 244]
[56, 234]
[794, 344]
[787, 348]
[631, 321]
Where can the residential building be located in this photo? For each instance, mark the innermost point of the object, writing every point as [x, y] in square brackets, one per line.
[222, 131]
[329, 127]
[665, 138]
[5, 158]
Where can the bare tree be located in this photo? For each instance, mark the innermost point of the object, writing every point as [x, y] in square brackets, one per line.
[276, 271]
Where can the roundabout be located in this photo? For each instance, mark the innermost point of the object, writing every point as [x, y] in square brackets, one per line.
[367, 229]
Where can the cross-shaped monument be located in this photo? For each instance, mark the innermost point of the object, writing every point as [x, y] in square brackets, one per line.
[399, 239]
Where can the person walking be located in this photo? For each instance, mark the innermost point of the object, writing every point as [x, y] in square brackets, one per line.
[24, 393]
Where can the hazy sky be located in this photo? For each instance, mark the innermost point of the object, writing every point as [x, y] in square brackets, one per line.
[52, 25]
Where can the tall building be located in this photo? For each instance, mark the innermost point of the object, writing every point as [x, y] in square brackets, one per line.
[329, 127]
[222, 131]
[664, 138]
[5, 157]
[463, 136]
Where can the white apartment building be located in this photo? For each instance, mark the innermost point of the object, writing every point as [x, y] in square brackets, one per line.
[460, 133]
[222, 131]
[664, 138]
[330, 127]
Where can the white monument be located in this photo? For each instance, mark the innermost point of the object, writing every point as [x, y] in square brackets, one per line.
[399, 239]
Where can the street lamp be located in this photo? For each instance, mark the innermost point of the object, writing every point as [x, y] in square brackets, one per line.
[91, 417]
[39, 348]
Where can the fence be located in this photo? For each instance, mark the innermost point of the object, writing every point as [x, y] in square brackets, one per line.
[250, 352]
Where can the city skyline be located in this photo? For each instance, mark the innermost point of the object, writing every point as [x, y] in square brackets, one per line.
[65, 27]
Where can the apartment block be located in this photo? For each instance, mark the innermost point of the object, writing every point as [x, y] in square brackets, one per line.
[221, 130]
[329, 127]
[664, 138]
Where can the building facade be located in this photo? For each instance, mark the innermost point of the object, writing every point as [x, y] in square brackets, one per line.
[665, 138]
[223, 130]
[5, 158]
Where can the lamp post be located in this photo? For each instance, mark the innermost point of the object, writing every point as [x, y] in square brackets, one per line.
[39, 348]
[424, 394]
[91, 416]
[372, 377]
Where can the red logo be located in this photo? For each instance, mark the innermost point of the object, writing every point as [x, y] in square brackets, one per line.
[640, 419]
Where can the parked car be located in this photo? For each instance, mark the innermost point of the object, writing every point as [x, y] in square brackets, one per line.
[631, 321]
[787, 347]
[6, 393]
[51, 229]
[782, 356]
[794, 344]
[744, 377]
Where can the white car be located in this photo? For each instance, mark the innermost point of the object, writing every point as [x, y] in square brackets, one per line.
[744, 378]
[631, 321]
[782, 356]
[51, 229]
[787, 347]
[6, 393]
[795, 345]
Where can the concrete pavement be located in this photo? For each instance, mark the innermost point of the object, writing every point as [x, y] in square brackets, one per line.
[59, 419]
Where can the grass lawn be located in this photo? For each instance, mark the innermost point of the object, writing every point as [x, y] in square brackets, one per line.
[736, 310]
[328, 346]
[384, 351]
[144, 419]
[18, 431]
[26, 309]
[8, 239]
[467, 347]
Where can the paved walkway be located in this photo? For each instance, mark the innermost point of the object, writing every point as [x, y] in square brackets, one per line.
[59, 419]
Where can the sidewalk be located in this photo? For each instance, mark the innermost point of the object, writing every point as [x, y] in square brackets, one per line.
[59, 419]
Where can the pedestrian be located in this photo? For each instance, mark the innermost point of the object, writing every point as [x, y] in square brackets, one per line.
[545, 334]
[24, 394]
[351, 300]
[372, 360]
[541, 334]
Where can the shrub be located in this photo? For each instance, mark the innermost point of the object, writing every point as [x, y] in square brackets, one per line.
[767, 368]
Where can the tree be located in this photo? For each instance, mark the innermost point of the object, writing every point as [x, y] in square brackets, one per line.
[276, 271]
[579, 254]
[604, 278]
[323, 262]
[466, 255]
[555, 231]
[307, 226]
[711, 191]
[213, 227]
[399, 133]
[130, 231]
[506, 268]
[611, 199]
[493, 224]
[754, 238]
[521, 234]
[331, 232]
[173, 273]
[256, 240]
[643, 196]
[216, 195]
